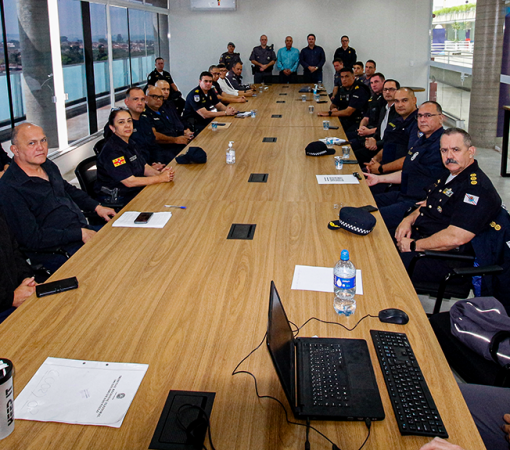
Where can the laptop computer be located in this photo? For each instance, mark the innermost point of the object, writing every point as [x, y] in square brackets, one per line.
[323, 378]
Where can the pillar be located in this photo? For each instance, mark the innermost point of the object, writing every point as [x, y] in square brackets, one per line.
[38, 89]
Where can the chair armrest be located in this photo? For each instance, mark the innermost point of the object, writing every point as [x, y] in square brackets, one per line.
[437, 255]
[475, 271]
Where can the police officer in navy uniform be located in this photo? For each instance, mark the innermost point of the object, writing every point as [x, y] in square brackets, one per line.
[350, 103]
[345, 53]
[421, 166]
[159, 74]
[121, 170]
[459, 205]
[229, 58]
[203, 105]
[263, 59]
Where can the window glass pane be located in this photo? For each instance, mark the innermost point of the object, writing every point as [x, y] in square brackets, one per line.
[152, 40]
[15, 67]
[99, 33]
[73, 62]
[160, 3]
[120, 39]
[138, 44]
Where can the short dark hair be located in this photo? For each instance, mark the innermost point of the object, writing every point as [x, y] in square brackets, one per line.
[114, 112]
[380, 75]
[205, 74]
[468, 141]
[437, 105]
[344, 36]
[157, 59]
[371, 61]
[358, 63]
[394, 81]
[346, 69]
[214, 66]
[220, 66]
[340, 60]
[311, 34]
[133, 88]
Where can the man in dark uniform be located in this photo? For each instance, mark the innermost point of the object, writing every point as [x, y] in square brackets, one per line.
[42, 209]
[358, 69]
[312, 58]
[159, 74]
[142, 136]
[263, 58]
[350, 103]
[459, 205]
[202, 104]
[369, 72]
[229, 58]
[387, 114]
[345, 53]
[370, 121]
[171, 135]
[235, 78]
[338, 65]
[400, 134]
[421, 167]
[219, 72]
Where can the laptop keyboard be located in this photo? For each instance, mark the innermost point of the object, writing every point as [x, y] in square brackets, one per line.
[413, 405]
[329, 382]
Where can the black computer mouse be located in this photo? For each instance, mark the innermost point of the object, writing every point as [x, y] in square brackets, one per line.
[393, 315]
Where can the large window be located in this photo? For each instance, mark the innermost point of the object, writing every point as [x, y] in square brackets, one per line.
[100, 59]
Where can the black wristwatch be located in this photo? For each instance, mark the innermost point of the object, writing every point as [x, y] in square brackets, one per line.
[380, 169]
[413, 246]
[330, 112]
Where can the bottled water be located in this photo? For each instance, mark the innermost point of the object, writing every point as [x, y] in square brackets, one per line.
[344, 285]
[231, 153]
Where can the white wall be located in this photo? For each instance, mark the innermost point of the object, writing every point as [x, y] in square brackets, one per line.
[395, 33]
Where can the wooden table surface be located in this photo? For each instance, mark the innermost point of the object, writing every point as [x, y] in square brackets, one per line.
[192, 304]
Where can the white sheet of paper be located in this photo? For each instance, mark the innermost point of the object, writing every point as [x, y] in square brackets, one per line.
[337, 179]
[311, 278]
[80, 392]
[127, 220]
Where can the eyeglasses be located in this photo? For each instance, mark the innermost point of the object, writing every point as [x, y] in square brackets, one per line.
[427, 115]
[157, 97]
[389, 89]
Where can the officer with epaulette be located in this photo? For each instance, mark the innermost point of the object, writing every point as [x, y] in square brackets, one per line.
[345, 53]
[350, 103]
[159, 74]
[230, 58]
[263, 59]
[203, 105]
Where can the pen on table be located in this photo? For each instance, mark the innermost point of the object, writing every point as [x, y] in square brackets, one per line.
[175, 206]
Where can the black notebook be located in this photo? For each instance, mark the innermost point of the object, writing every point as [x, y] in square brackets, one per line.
[323, 378]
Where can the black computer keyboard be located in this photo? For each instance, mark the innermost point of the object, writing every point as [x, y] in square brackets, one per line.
[414, 407]
[329, 382]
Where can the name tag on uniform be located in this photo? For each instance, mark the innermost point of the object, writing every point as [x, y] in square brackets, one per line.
[133, 158]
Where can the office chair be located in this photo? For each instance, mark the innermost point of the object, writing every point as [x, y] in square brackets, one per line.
[493, 257]
[99, 146]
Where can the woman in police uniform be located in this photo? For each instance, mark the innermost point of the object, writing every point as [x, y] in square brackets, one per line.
[121, 170]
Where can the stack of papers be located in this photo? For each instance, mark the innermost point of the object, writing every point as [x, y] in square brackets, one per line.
[320, 279]
[80, 392]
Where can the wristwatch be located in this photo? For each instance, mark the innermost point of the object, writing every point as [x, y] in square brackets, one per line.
[413, 246]
[380, 169]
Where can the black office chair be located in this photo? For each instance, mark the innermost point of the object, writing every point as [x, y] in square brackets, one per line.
[41, 272]
[99, 146]
[86, 172]
[469, 365]
[493, 257]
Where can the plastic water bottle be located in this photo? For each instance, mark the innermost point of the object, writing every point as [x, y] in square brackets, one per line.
[344, 285]
[231, 153]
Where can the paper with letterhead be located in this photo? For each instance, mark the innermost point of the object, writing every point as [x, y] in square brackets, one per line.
[310, 278]
[80, 392]
[157, 220]
[337, 179]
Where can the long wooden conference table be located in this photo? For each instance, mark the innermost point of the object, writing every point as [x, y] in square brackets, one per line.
[191, 304]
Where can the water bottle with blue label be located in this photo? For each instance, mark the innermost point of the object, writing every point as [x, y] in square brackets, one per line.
[344, 285]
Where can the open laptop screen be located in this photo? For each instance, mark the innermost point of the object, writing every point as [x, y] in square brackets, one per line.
[280, 342]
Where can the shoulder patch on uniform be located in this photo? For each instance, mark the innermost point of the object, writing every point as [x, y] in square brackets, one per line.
[471, 199]
[119, 161]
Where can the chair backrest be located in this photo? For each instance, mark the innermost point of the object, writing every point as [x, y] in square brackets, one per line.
[492, 246]
[86, 172]
[99, 146]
